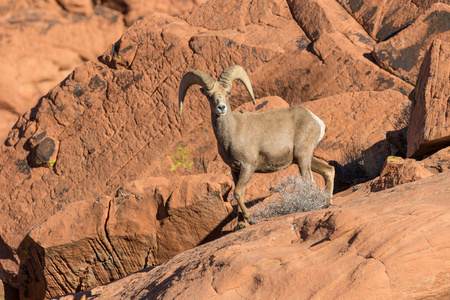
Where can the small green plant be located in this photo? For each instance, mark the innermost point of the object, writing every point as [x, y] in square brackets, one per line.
[294, 195]
[181, 159]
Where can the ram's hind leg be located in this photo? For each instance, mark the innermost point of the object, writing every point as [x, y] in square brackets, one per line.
[327, 172]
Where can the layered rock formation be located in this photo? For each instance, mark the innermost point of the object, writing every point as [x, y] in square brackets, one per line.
[392, 244]
[114, 122]
[144, 224]
[429, 130]
[43, 41]
[403, 53]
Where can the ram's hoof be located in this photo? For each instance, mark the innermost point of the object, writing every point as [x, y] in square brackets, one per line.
[239, 226]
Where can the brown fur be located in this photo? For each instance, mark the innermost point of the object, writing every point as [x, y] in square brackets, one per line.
[265, 142]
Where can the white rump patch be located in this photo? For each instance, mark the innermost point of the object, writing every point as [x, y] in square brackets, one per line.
[321, 124]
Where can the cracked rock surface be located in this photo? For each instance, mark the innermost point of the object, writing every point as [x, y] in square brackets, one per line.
[78, 222]
[147, 222]
[393, 244]
[44, 40]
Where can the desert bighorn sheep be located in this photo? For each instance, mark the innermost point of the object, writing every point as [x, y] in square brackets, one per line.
[259, 142]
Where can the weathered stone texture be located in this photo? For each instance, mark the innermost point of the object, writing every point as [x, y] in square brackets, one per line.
[148, 221]
[383, 19]
[114, 121]
[429, 128]
[403, 54]
[390, 244]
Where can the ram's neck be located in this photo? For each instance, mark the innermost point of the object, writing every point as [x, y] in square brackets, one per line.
[224, 128]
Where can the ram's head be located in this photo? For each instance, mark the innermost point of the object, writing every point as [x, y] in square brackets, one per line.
[217, 92]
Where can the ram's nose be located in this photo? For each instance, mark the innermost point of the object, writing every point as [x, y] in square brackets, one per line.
[221, 109]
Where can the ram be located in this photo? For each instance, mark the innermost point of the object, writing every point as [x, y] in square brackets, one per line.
[262, 142]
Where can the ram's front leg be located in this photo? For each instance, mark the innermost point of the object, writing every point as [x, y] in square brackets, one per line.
[240, 181]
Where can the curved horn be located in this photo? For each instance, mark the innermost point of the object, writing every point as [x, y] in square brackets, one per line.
[194, 77]
[236, 72]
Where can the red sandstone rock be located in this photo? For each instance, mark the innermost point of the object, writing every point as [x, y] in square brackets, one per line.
[403, 54]
[382, 19]
[399, 171]
[318, 17]
[134, 10]
[429, 128]
[43, 41]
[90, 243]
[116, 119]
[356, 122]
[390, 244]
[84, 7]
[438, 162]
[42, 45]
[284, 66]
[8, 119]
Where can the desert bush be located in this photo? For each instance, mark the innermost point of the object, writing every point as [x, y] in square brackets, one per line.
[372, 163]
[364, 164]
[294, 194]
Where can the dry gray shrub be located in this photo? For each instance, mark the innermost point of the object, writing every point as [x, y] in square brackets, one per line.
[294, 195]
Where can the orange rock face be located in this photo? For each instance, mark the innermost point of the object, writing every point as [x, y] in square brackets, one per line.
[429, 128]
[381, 19]
[40, 46]
[439, 161]
[390, 244]
[398, 171]
[43, 41]
[403, 53]
[144, 224]
[71, 168]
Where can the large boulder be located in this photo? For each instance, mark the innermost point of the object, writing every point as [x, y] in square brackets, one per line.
[388, 245]
[43, 41]
[403, 54]
[429, 129]
[439, 161]
[148, 221]
[115, 120]
[396, 171]
[337, 56]
[384, 19]
[41, 45]
[319, 17]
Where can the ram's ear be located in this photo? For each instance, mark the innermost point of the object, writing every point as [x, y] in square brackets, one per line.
[203, 91]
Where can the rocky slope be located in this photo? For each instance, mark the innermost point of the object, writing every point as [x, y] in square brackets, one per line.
[43, 41]
[392, 244]
[103, 177]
